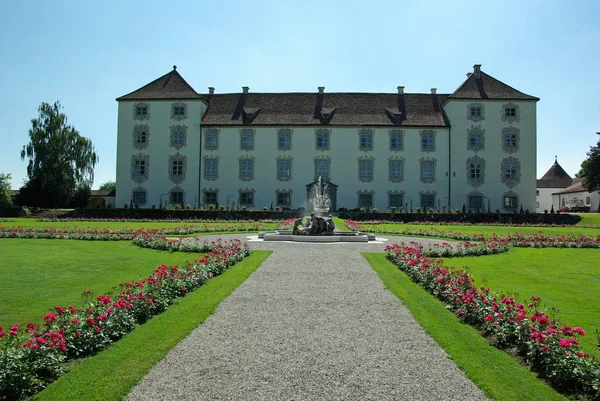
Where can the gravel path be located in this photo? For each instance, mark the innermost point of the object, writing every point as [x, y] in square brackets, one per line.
[313, 322]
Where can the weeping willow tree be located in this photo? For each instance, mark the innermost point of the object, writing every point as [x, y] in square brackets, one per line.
[61, 162]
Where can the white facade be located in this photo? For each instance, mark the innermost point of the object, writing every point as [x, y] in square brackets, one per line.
[545, 199]
[476, 152]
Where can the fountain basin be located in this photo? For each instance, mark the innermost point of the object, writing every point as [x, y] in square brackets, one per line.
[336, 237]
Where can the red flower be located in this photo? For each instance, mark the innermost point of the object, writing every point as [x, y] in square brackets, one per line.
[96, 329]
[580, 354]
[91, 321]
[543, 320]
[564, 343]
[545, 348]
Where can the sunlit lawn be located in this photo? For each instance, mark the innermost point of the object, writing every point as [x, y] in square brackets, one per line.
[588, 219]
[565, 279]
[36, 274]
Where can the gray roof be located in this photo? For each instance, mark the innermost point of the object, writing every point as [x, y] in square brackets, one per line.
[555, 177]
[353, 109]
[488, 87]
[576, 186]
[170, 86]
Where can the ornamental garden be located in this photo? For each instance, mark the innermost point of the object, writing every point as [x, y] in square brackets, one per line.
[88, 306]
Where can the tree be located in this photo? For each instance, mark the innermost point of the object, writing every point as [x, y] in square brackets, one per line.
[590, 169]
[61, 162]
[108, 186]
[5, 191]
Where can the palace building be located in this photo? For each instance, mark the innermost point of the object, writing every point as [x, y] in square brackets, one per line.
[475, 147]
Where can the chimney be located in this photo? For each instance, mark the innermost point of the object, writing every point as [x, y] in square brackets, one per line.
[245, 90]
[433, 91]
[401, 90]
[469, 74]
[477, 71]
[321, 90]
[211, 90]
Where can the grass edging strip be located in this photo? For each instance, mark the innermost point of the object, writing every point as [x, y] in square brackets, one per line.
[498, 375]
[112, 373]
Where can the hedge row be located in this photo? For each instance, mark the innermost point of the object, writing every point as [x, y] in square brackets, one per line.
[252, 215]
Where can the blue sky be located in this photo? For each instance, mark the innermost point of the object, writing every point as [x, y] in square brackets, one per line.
[86, 54]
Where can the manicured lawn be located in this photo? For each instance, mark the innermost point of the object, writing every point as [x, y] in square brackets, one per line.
[28, 222]
[565, 279]
[37, 274]
[111, 374]
[588, 219]
[492, 370]
[339, 224]
[489, 230]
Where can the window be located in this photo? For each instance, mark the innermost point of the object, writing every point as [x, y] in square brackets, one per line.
[210, 198]
[322, 168]
[141, 111]
[211, 168]
[246, 169]
[365, 200]
[537, 193]
[510, 139]
[178, 111]
[283, 199]
[396, 168]
[427, 170]
[177, 137]
[177, 197]
[475, 111]
[510, 202]
[510, 112]
[284, 169]
[475, 170]
[366, 140]
[284, 140]
[563, 202]
[247, 140]
[365, 169]
[475, 140]
[177, 167]
[140, 168]
[395, 200]
[427, 201]
[139, 197]
[588, 200]
[140, 137]
[475, 202]
[211, 139]
[510, 170]
[246, 198]
[427, 141]
[322, 138]
[396, 140]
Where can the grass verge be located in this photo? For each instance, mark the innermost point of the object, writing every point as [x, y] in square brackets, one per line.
[111, 374]
[493, 371]
[489, 230]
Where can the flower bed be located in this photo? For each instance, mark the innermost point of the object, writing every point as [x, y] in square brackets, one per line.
[107, 234]
[445, 250]
[550, 350]
[466, 223]
[32, 356]
[518, 240]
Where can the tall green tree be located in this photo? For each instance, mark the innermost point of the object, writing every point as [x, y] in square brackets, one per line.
[61, 162]
[108, 186]
[590, 169]
[5, 190]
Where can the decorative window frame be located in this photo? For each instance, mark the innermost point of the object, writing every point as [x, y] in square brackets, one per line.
[209, 190]
[473, 181]
[422, 160]
[365, 192]
[511, 119]
[511, 131]
[372, 160]
[247, 190]
[401, 132]
[177, 178]
[179, 117]
[178, 128]
[141, 116]
[473, 131]
[395, 192]
[176, 189]
[371, 133]
[510, 194]
[141, 128]
[396, 159]
[480, 117]
[427, 193]
[475, 193]
[139, 179]
[247, 131]
[139, 189]
[246, 178]
[324, 130]
[283, 191]
[510, 182]
[210, 177]
[282, 131]
[325, 158]
[433, 134]
[282, 158]
[217, 133]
